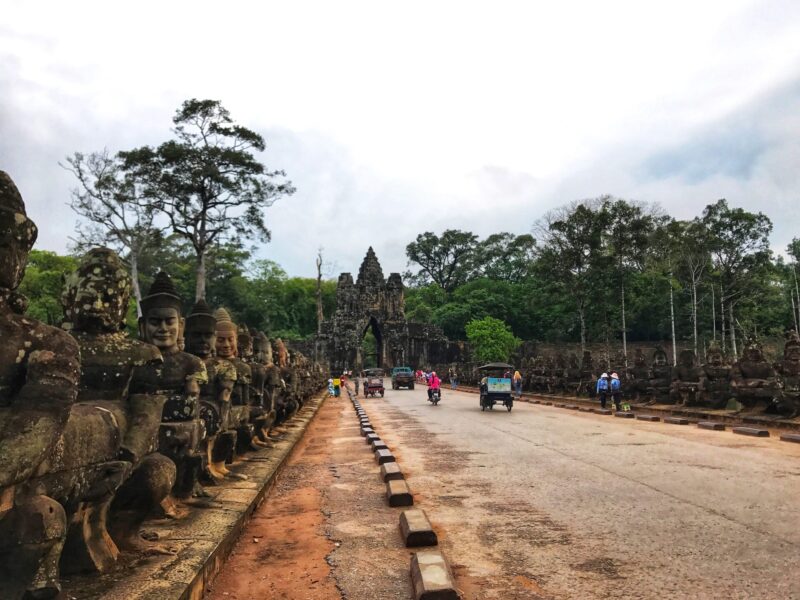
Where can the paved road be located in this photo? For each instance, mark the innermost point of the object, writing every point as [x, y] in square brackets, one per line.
[545, 502]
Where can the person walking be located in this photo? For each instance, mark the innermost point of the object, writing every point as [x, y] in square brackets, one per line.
[356, 382]
[616, 390]
[518, 384]
[603, 389]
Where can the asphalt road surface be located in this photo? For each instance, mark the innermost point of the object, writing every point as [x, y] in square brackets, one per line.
[545, 502]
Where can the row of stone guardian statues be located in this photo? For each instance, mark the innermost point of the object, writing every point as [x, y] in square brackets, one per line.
[99, 431]
[751, 383]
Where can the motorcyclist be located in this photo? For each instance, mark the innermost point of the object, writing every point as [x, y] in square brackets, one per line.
[434, 384]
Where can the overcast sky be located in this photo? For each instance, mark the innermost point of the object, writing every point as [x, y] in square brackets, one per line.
[396, 118]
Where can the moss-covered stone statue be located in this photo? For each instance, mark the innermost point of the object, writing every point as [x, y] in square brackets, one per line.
[754, 382]
[178, 379]
[39, 373]
[789, 373]
[259, 414]
[114, 417]
[687, 380]
[215, 395]
[226, 346]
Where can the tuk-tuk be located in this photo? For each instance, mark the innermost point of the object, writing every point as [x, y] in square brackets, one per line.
[495, 386]
[373, 382]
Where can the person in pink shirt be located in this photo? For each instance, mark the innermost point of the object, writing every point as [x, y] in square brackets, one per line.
[434, 384]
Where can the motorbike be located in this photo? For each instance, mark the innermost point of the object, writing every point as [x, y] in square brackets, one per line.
[435, 396]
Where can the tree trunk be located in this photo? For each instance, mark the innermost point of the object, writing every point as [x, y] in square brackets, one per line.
[714, 312]
[694, 314]
[797, 292]
[794, 313]
[320, 316]
[733, 330]
[624, 328]
[200, 286]
[672, 320]
[137, 292]
[582, 315]
[722, 320]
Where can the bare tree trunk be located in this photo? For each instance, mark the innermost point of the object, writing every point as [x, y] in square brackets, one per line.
[722, 319]
[794, 313]
[797, 291]
[624, 329]
[714, 312]
[733, 330]
[200, 286]
[320, 316]
[137, 292]
[672, 320]
[694, 314]
[582, 315]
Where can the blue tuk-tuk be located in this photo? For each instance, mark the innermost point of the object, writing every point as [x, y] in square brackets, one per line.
[495, 386]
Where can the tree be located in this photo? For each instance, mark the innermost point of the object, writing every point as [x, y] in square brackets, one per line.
[794, 251]
[207, 181]
[739, 246]
[491, 340]
[447, 260]
[117, 210]
[505, 256]
[692, 246]
[43, 284]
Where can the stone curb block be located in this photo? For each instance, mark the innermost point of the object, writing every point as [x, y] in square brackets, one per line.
[650, 418]
[365, 431]
[754, 431]
[571, 406]
[547, 403]
[791, 437]
[585, 409]
[384, 456]
[390, 471]
[676, 420]
[379, 445]
[602, 411]
[416, 529]
[712, 425]
[431, 577]
[398, 494]
[624, 415]
[371, 437]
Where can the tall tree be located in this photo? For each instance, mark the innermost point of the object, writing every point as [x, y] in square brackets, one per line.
[739, 245]
[505, 256]
[116, 209]
[448, 260]
[208, 181]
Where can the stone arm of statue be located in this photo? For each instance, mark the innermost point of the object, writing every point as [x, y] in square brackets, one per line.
[31, 426]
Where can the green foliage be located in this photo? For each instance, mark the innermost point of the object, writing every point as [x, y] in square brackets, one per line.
[43, 282]
[491, 339]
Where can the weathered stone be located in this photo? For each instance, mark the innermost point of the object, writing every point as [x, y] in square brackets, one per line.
[791, 437]
[752, 431]
[365, 431]
[622, 414]
[651, 418]
[602, 411]
[431, 577]
[384, 456]
[676, 420]
[416, 529]
[379, 445]
[371, 437]
[712, 425]
[390, 471]
[398, 494]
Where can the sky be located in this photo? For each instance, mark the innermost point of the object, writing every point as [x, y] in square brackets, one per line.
[396, 118]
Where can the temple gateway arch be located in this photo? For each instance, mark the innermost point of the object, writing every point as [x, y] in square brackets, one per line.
[375, 304]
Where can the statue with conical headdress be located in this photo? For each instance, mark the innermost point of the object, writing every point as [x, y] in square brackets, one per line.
[717, 378]
[789, 372]
[754, 382]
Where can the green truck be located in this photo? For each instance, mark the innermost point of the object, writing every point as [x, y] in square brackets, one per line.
[402, 377]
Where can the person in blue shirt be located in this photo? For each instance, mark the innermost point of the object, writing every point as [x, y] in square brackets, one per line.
[603, 389]
[616, 390]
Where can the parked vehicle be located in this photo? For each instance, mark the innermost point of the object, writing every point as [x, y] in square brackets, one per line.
[402, 377]
[373, 382]
[495, 387]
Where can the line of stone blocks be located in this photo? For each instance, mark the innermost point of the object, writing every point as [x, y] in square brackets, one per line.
[398, 493]
[416, 529]
[752, 431]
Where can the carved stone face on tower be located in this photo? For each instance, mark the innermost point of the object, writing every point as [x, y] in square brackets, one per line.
[161, 320]
[227, 339]
[201, 330]
[17, 234]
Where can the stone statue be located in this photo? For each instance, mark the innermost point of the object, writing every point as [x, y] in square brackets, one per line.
[754, 382]
[274, 386]
[717, 378]
[587, 382]
[789, 372]
[687, 380]
[39, 374]
[247, 341]
[660, 377]
[215, 396]
[572, 375]
[112, 419]
[227, 349]
[639, 375]
[178, 379]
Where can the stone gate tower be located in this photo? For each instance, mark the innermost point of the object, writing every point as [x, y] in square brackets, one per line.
[378, 304]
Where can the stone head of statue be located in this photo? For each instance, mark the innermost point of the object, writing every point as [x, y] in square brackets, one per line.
[17, 234]
[264, 352]
[639, 359]
[227, 335]
[714, 356]
[686, 358]
[96, 295]
[753, 351]
[161, 322]
[201, 330]
[245, 343]
[791, 349]
[659, 357]
[283, 354]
